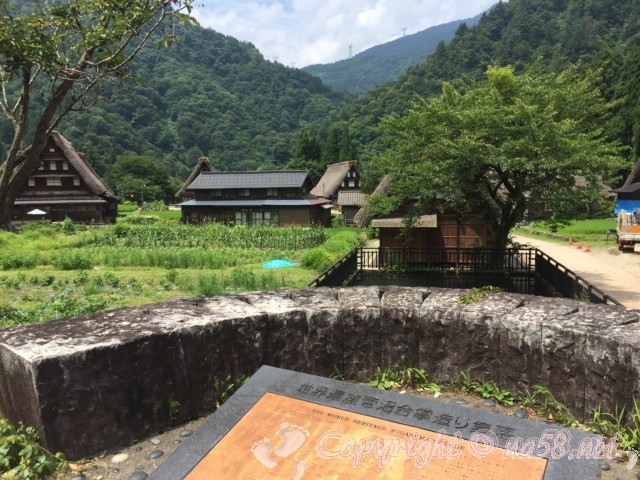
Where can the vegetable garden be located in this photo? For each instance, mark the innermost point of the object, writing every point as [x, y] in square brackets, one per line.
[55, 271]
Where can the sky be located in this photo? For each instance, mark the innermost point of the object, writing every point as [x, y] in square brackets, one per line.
[298, 33]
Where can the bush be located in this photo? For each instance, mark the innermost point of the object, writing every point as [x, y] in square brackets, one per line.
[317, 259]
[21, 456]
[72, 260]
[68, 227]
[14, 261]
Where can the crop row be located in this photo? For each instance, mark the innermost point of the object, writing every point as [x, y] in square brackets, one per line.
[165, 257]
[207, 236]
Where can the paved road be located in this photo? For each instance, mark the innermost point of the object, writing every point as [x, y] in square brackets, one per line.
[615, 273]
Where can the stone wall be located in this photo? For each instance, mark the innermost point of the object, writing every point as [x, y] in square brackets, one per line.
[99, 381]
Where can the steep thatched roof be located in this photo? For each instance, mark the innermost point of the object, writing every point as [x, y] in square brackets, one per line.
[361, 218]
[333, 177]
[203, 165]
[84, 169]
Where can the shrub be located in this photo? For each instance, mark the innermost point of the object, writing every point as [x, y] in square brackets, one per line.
[68, 227]
[317, 259]
[72, 260]
[14, 261]
[21, 456]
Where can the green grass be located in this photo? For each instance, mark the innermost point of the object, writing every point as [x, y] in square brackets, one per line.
[46, 274]
[592, 231]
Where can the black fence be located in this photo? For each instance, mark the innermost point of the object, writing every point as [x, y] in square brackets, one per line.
[524, 270]
[341, 273]
[568, 283]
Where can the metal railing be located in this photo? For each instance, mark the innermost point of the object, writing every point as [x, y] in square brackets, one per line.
[568, 283]
[511, 261]
[341, 272]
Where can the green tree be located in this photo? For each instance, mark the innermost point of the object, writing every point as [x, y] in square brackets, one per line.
[140, 178]
[55, 56]
[499, 145]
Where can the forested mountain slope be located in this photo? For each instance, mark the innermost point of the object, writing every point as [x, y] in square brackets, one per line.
[207, 95]
[383, 63]
[605, 33]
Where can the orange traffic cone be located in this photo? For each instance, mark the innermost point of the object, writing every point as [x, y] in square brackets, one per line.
[580, 245]
[588, 249]
[570, 241]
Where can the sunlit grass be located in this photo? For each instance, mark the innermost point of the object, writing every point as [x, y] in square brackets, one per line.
[46, 274]
[593, 231]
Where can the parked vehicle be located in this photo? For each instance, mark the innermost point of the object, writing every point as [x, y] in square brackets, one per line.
[628, 229]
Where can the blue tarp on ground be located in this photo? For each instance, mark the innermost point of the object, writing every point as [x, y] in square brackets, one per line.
[279, 264]
[628, 205]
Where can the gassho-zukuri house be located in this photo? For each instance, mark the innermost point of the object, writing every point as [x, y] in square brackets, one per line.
[65, 185]
[255, 198]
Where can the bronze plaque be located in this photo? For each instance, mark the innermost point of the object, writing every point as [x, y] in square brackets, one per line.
[285, 438]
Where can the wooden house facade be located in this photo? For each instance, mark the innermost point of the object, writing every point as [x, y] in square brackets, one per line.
[255, 198]
[64, 186]
[340, 184]
[432, 229]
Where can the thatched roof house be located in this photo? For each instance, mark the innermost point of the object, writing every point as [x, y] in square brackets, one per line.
[337, 177]
[66, 185]
[362, 217]
[203, 165]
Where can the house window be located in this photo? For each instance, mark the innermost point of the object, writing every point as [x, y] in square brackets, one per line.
[216, 192]
[76, 181]
[41, 167]
[272, 192]
[52, 165]
[54, 182]
[241, 218]
[52, 150]
[65, 165]
[352, 183]
[244, 192]
[32, 182]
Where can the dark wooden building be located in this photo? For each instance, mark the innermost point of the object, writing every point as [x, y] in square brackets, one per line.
[433, 229]
[255, 198]
[340, 184]
[65, 186]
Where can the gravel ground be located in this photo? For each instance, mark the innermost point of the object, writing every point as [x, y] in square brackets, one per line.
[612, 271]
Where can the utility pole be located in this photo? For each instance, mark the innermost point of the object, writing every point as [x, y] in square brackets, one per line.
[404, 31]
[350, 51]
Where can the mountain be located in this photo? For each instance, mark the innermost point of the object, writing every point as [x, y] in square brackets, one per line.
[208, 95]
[603, 33]
[212, 95]
[383, 63]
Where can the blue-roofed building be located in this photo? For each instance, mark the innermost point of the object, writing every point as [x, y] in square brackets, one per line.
[628, 198]
[255, 198]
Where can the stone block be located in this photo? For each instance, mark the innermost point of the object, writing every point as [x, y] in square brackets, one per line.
[399, 325]
[325, 340]
[360, 319]
[521, 359]
[438, 333]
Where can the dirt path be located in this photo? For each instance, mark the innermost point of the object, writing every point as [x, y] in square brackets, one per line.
[614, 272]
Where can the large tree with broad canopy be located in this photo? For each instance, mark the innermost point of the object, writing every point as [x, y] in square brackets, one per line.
[53, 56]
[498, 145]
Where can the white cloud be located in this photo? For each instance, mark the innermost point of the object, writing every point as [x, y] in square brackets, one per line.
[303, 32]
